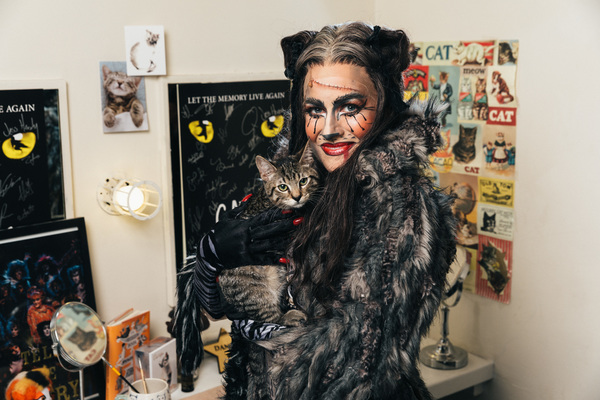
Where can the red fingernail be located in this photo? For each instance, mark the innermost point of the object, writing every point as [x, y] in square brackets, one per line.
[283, 260]
[286, 211]
[246, 198]
[298, 221]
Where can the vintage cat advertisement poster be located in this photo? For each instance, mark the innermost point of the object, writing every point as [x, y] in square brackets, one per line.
[123, 99]
[494, 274]
[145, 50]
[495, 221]
[477, 159]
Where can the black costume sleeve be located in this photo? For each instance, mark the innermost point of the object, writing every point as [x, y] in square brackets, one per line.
[206, 277]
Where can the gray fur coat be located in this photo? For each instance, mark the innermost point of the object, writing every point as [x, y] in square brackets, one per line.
[402, 247]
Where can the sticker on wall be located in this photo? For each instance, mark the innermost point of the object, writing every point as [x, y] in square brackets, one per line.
[507, 52]
[464, 189]
[123, 99]
[496, 191]
[499, 149]
[466, 149]
[494, 274]
[145, 50]
[495, 221]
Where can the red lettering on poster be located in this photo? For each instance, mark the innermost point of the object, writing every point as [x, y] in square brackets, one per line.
[502, 116]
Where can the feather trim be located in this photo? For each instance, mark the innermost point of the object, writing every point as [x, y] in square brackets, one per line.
[188, 320]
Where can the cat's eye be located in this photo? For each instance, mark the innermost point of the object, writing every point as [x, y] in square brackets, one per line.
[283, 187]
[303, 181]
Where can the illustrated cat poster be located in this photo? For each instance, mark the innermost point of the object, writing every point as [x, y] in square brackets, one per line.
[145, 50]
[123, 99]
[494, 272]
[443, 84]
[467, 149]
[495, 221]
[477, 157]
[499, 149]
[465, 190]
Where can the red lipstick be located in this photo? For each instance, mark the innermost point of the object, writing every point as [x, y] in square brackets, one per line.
[337, 149]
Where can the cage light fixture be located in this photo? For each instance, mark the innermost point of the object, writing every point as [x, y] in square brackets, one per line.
[140, 199]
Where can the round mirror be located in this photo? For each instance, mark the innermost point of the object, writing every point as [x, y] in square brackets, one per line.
[78, 335]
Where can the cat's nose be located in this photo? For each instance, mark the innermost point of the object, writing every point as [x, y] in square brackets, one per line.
[297, 198]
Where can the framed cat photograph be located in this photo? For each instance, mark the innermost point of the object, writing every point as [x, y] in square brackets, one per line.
[123, 99]
[35, 160]
[145, 50]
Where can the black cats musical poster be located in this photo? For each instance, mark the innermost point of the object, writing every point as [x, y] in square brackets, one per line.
[24, 178]
[476, 81]
[43, 267]
[216, 130]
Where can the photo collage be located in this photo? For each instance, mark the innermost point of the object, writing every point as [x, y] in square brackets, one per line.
[476, 83]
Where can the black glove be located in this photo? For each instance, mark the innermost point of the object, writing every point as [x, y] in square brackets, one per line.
[260, 240]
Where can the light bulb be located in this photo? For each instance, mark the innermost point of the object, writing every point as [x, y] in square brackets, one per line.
[130, 198]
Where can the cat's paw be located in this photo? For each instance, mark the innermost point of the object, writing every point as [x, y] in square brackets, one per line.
[137, 114]
[109, 120]
[293, 318]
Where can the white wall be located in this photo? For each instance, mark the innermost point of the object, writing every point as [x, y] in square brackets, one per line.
[544, 343]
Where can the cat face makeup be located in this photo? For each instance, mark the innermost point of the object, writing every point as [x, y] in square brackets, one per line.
[340, 104]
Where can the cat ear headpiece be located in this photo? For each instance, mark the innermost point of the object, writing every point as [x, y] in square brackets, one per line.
[292, 47]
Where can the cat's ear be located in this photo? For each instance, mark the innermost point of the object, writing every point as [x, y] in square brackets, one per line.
[307, 155]
[265, 168]
[137, 80]
[105, 71]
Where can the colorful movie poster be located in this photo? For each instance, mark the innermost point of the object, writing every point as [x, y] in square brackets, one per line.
[476, 162]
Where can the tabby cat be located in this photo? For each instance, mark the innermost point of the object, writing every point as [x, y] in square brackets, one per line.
[464, 149]
[257, 290]
[121, 96]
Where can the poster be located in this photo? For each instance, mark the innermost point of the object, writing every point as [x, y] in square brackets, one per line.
[477, 159]
[31, 184]
[123, 99]
[216, 131]
[42, 267]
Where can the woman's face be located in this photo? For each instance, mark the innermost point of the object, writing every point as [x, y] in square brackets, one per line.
[340, 103]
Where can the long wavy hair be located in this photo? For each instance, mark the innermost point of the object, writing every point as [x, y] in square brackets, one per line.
[323, 239]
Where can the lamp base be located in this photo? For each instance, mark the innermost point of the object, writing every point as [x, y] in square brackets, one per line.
[444, 355]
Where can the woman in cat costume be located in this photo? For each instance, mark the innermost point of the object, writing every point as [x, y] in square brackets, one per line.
[369, 261]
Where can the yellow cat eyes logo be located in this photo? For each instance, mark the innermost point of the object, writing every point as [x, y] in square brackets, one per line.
[19, 145]
[272, 126]
[202, 131]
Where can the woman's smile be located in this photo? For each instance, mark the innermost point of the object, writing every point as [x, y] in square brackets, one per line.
[337, 149]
